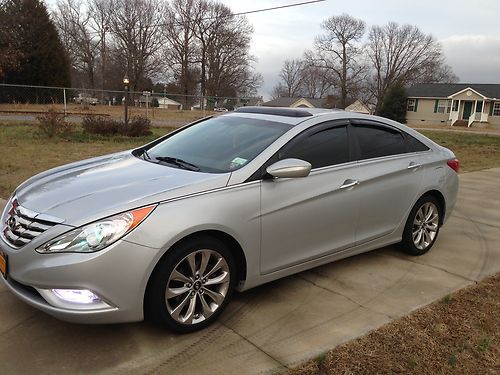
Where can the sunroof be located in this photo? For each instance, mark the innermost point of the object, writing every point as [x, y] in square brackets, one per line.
[289, 112]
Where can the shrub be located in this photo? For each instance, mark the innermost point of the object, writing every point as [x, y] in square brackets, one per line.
[52, 124]
[101, 125]
[137, 126]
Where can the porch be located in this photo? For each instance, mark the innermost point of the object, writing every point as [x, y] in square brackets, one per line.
[469, 106]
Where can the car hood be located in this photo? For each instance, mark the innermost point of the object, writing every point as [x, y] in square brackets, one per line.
[92, 189]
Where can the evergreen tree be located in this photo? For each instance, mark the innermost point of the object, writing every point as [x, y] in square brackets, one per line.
[394, 103]
[44, 60]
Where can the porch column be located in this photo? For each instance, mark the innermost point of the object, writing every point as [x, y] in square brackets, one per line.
[451, 110]
[458, 115]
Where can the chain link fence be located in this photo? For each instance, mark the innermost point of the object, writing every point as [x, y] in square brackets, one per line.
[23, 103]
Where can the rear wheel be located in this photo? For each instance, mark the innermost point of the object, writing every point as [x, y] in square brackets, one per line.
[422, 227]
[191, 285]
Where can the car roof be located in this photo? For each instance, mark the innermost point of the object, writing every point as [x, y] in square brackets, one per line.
[291, 116]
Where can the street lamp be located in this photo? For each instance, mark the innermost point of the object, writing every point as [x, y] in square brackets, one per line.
[126, 82]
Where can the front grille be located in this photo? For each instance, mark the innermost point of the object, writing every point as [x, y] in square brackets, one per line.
[21, 226]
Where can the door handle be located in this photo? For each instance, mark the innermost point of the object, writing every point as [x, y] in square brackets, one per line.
[349, 183]
[414, 165]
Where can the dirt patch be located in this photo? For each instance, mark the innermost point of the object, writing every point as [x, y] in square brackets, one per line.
[459, 334]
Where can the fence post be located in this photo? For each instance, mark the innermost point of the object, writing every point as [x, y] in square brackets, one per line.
[65, 104]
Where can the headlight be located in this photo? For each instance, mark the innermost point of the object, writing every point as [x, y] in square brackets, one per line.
[98, 235]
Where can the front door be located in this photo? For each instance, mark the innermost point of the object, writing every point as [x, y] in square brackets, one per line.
[467, 110]
[307, 218]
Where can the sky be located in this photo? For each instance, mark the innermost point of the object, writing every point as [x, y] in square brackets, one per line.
[469, 31]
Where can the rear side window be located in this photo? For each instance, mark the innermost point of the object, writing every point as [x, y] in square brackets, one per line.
[323, 148]
[415, 144]
[375, 141]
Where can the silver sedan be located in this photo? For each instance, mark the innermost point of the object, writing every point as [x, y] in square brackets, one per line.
[169, 230]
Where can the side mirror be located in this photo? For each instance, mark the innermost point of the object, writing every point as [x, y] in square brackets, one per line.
[289, 168]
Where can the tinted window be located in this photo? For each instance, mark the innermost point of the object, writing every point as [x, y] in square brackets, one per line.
[321, 149]
[376, 141]
[220, 144]
[415, 144]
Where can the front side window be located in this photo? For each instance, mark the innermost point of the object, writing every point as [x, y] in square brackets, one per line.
[218, 145]
[496, 109]
[444, 106]
[411, 105]
[375, 141]
[323, 148]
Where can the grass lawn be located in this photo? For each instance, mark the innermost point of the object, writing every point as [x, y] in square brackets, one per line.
[25, 152]
[458, 335]
[475, 151]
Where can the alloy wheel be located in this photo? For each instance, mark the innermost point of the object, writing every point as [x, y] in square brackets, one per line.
[425, 225]
[197, 286]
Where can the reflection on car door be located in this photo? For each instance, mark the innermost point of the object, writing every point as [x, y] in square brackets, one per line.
[306, 218]
[390, 178]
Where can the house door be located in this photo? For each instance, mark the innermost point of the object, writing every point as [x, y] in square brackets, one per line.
[467, 110]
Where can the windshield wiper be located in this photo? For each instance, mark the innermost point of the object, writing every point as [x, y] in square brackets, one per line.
[145, 155]
[178, 162]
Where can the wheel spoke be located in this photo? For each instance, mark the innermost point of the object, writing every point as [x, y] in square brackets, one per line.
[176, 311]
[174, 292]
[191, 259]
[188, 318]
[216, 267]
[222, 278]
[418, 237]
[177, 275]
[205, 258]
[429, 212]
[216, 297]
[207, 311]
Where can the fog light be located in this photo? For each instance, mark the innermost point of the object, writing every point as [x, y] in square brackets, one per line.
[84, 296]
[74, 299]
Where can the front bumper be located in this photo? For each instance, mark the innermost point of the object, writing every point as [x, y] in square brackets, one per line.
[117, 274]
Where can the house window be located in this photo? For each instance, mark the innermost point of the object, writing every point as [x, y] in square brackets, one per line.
[496, 109]
[444, 106]
[455, 106]
[411, 105]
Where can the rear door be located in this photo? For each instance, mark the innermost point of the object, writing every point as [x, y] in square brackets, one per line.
[306, 218]
[390, 176]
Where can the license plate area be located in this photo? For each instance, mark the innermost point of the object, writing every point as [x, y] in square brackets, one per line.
[3, 264]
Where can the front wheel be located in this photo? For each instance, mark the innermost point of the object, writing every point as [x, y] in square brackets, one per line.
[422, 227]
[191, 285]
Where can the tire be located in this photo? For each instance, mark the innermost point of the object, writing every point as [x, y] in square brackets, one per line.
[191, 285]
[422, 227]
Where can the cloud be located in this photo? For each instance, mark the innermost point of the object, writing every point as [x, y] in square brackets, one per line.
[474, 58]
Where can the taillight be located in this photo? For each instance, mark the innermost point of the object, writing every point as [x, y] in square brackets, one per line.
[454, 164]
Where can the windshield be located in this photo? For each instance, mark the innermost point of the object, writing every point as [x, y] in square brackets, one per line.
[217, 145]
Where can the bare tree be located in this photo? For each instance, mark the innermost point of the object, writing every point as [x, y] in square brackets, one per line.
[100, 11]
[73, 21]
[291, 77]
[403, 53]
[337, 50]
[316, 82]
[223, 51]
[181, 50]
[136, 26]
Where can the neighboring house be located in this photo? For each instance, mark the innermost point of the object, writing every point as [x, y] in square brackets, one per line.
[293, 102]
[359, 107]
[167, 103]
[453, 104]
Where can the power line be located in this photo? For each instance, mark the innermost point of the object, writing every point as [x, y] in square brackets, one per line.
[278, 7]
[250, 11]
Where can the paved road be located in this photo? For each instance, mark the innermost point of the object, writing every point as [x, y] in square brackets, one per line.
[279, 324]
